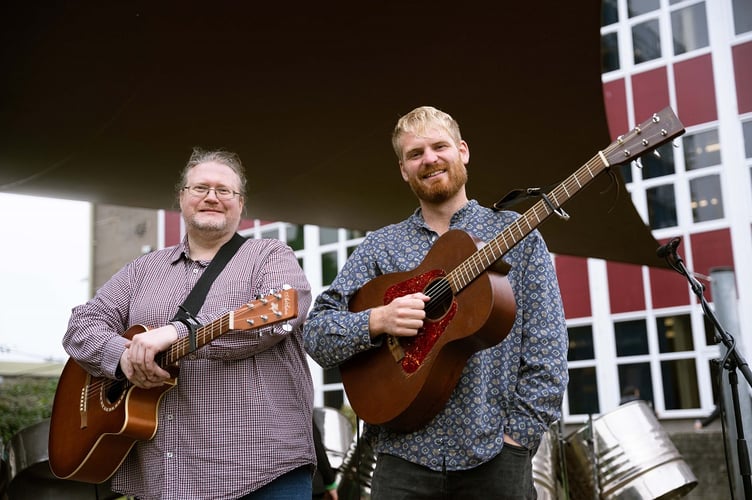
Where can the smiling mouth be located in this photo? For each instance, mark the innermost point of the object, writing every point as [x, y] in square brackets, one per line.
[433, 174]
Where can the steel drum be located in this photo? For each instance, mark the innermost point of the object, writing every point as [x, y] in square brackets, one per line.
[546, 464]
[626, 454]
[336, 433]
[29, 475]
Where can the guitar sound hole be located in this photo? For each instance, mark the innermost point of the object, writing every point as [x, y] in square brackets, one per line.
[441, 299]
[114, 391]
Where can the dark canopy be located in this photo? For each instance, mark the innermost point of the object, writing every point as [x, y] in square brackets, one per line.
[102, 101]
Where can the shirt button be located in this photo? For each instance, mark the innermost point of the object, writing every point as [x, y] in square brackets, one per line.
[169, 417]
[195, 271]
[168, 454]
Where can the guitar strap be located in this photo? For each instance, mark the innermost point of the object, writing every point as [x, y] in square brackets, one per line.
[192, 304]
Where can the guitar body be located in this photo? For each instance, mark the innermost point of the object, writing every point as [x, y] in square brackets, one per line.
[407, 380]
[96, 421]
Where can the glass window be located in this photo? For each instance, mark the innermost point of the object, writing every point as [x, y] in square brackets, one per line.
[636, 376]
[609, 12]
[637, 7]
[690, 28]
[707, 201]
[334, 399]
[332, 375]
[674, 333]
[580, 343]
[742, 16]
[328, 235]
[646, 41]
[631, 337]
[328, 267]
[702, 149]
[583, 397]
[661, 206]
[295, 237]
[660, 164]
[680, 389]
[609, 52]
[626, 173]
[747, 130]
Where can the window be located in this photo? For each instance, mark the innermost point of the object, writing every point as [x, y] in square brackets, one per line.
[674, 333]
[580, 343]
[646, 41]
[742, 16]
[702, 149]
[639, 7]
[583, 399]
[609, 52]
[661, 206]
[706, 198]
[680, 390]
[658, 163]
[690, 28]
[631, 338]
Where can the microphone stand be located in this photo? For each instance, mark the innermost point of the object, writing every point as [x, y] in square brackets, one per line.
[731, 362]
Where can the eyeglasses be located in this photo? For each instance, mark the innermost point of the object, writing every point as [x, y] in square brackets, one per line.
[222, 193]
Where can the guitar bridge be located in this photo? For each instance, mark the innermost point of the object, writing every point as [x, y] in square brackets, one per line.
[395, 348]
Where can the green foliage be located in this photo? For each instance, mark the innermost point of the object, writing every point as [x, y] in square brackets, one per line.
[24, 401]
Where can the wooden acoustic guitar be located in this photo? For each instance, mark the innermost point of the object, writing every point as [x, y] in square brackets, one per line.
[96, 421]
[406, 381]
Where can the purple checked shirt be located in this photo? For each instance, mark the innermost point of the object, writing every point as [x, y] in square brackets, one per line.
[240, 415]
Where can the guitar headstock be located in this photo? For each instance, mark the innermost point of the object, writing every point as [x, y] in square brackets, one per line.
[662, 127]
[267, 310]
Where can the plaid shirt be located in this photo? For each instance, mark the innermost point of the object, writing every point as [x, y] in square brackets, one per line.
[515, 387]
[240, 415]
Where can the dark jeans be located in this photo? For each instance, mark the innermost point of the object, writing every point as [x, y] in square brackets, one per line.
[509, 476]
[295, 485]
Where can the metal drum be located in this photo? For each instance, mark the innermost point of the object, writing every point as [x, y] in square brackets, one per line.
[626, 454]
[336, 433]
[356, 472]
[29, 473]
[546, 466]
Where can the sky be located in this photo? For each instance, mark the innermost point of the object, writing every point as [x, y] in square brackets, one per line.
[45, 251]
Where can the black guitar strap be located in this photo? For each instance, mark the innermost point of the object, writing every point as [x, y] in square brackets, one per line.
[192, 304]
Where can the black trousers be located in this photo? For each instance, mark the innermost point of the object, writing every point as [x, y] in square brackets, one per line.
[509, 476]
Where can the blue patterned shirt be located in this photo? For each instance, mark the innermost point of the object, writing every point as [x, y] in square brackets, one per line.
[515, 387]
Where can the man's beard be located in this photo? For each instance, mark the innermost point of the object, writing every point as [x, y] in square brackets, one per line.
[440, 192]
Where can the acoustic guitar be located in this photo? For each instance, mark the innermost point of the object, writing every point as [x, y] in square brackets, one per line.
[96, 421]
[406, 381]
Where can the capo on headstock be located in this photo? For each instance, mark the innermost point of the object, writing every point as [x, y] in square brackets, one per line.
[518, 195]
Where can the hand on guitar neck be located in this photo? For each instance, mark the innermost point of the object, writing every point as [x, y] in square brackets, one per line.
[138, 361]
[402, 317]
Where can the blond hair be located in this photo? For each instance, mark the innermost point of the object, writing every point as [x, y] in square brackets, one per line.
[419, 120]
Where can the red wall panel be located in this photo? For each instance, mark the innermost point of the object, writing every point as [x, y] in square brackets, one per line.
[572, 273]
[742, 55]
[695, 90]
[711, 249]
[625, 287]
[172, 228]
[615, 99]
[650, 91]
[668, 288]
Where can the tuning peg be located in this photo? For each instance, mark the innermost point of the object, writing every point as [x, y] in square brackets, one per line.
[656, 153]
[287, 327]
[637, 163]
[674, 144]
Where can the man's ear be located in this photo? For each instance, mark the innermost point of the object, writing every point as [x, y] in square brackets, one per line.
[402, 171]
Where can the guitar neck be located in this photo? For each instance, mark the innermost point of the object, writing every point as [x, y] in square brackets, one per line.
[657, 130]
[495, 249]
[204, 335]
